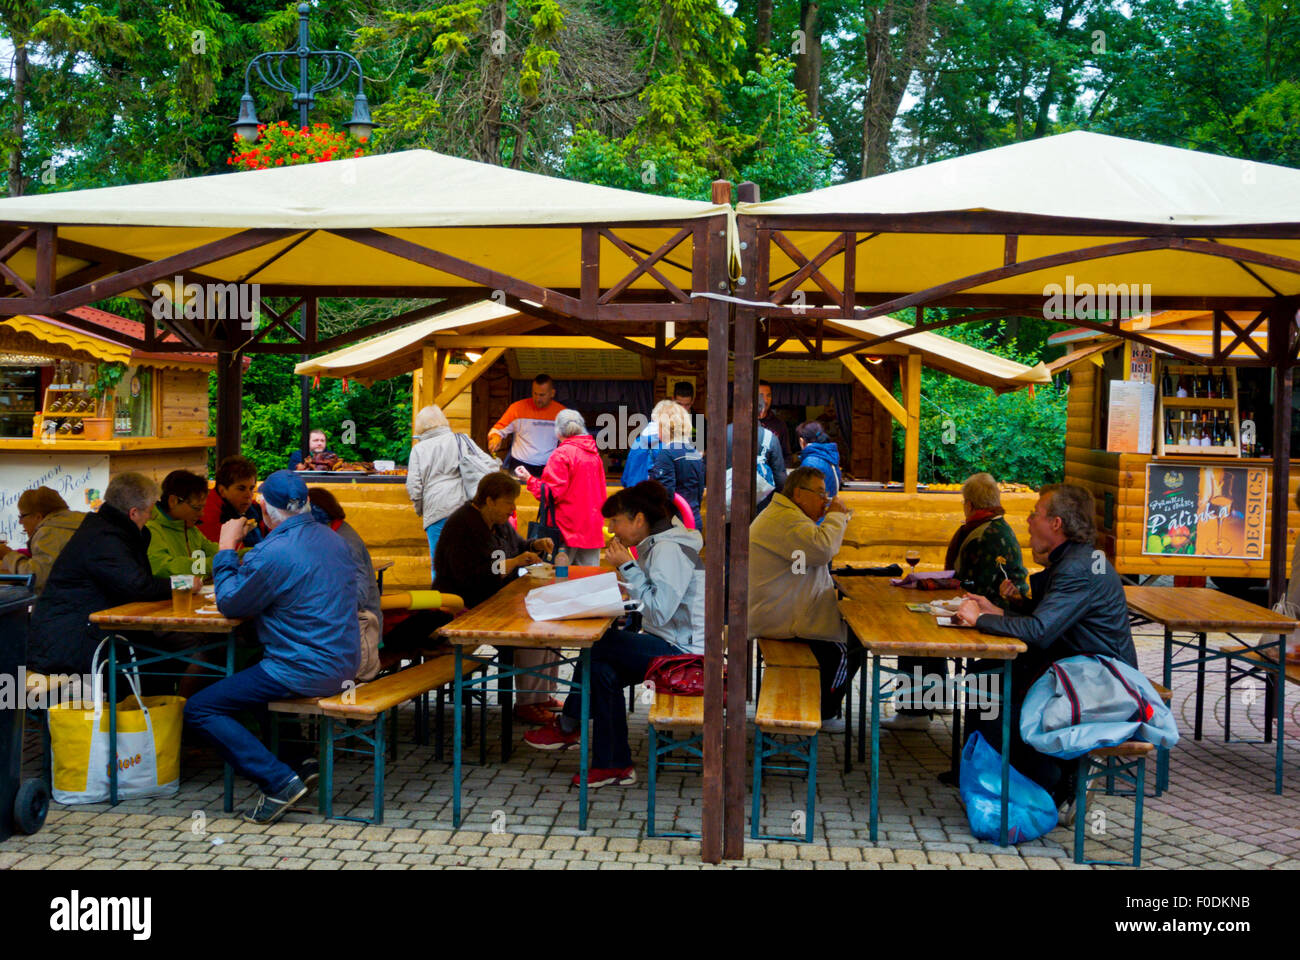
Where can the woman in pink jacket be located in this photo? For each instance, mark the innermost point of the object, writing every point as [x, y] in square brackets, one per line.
[574, 479]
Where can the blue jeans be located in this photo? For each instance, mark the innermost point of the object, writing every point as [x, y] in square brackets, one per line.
[433, 531]
[618, 659]
[212, 712]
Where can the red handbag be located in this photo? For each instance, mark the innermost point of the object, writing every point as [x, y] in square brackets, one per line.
[680, 674]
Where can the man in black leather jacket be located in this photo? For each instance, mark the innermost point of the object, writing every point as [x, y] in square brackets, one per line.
[1076, 606]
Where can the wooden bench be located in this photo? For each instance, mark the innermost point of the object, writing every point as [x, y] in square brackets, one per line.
[787, 653]
[671, 713]
[789, 705]
[364, 710]
[1127, 762]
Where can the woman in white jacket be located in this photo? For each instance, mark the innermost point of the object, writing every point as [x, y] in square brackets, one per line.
[443, 472]
[667, 577]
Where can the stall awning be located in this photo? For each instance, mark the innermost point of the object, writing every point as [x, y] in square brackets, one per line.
[35, 334]
[966, 207]
[456, 207]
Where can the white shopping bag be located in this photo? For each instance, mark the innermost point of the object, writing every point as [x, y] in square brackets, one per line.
[585, 597]
[148, 752]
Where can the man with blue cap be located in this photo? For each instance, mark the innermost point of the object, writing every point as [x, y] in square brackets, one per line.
[297, 585]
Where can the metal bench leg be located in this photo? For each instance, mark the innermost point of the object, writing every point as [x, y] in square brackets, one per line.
[1200, 683]
[438, 732]
[392, 750]
[759, 737]
[326, 786]
[811, 806]
[1080, 805]
[379, 766]
[631, 699]
[650, 787]
[1227, 700]
[1139, 792]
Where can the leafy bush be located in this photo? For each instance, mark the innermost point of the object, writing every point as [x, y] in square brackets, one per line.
[966, 428]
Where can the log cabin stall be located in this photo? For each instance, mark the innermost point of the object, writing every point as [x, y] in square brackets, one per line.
[1176, 448]
[474, 361]
[77, 408]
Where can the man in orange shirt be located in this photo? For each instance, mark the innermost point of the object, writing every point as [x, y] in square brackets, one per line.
[532, 421]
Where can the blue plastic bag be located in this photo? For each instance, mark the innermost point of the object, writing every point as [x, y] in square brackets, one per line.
[1030, 813]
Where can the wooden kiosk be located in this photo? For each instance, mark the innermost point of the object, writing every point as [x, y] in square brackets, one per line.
[153, 420]
[1176, 452]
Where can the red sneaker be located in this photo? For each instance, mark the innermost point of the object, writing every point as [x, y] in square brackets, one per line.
[555, 706]
[599, 777]
[551, 737]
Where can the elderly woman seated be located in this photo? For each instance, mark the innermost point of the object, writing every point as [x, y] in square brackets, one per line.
[49, 525]
[984, 553]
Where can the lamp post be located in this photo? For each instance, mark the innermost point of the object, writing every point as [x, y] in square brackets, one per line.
[274, 69]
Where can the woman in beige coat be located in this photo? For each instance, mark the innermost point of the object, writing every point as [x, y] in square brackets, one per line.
[49, 525]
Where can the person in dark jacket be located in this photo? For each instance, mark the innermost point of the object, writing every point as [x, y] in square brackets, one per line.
[1078, 607]
[678, 465]
[299, 587]
[326, 508]
[818, 451]
[767, 418]
[104, 564]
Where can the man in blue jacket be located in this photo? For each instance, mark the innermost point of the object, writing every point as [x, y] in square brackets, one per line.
[298, 586]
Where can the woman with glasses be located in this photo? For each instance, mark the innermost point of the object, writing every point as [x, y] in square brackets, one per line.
[174, 534]
[49, 525]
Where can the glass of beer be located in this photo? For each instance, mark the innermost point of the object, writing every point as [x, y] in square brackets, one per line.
[183, 589]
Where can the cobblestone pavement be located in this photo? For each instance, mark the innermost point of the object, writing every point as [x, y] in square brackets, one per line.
[1220, 811]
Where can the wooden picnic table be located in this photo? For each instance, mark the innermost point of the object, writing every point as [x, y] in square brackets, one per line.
[502, 622]
[1200, 611]
[157, 616]
[877, 613]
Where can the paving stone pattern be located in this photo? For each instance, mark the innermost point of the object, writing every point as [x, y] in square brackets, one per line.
[1220, 811]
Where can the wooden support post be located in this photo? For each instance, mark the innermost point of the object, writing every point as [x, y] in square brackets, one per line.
[428, 373]
[709, 272]
[744, 448]
[1281, 331]
[875, 388]
[439, 372]
[47, 252]
[912, 437]
[230, 404]
[467, 377]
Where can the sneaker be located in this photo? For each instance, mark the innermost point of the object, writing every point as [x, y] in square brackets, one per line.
[551, 737]
[906, 721]
[553, 705]
[1065, 813]
[272, 806]
[309, 773]
[598, 777]
[833, 725]
[534, 713]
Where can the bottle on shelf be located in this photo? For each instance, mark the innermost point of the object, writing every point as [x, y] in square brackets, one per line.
[1194, 434]
[1182, 386]
[1225, 389]
[1166, 385]
[1182, 431]
[78, 377]
[1211, 385]
[1169, 429]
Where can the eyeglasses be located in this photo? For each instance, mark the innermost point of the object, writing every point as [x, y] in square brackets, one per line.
[821, 494]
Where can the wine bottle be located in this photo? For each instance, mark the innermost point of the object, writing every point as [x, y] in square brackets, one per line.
[1182, 431]
[1211, 385]
[1166, 385]
[1169, 429]
[1226, 392]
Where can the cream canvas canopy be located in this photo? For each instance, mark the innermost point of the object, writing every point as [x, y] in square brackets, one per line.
[458, 207]
[921, 228]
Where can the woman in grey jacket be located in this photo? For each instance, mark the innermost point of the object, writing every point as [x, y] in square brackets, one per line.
[667, 578]
[443, 472]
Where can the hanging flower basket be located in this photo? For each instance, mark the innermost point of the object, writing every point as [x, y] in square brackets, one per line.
[280, 145]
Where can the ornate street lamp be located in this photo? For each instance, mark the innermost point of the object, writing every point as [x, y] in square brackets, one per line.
[275, 71]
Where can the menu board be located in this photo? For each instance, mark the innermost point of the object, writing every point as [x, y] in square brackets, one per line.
[579, 364]
[1132, 406]
[1205, 511]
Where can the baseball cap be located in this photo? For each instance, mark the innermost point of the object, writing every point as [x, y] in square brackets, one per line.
[284, 490]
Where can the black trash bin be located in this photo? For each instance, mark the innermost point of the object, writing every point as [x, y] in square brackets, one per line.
[23, 803]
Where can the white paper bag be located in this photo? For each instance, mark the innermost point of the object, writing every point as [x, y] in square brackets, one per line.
[596, 596]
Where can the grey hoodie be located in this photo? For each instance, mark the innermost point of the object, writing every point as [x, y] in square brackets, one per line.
[668, 579]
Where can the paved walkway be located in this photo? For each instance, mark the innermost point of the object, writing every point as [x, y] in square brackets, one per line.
[1220, 811]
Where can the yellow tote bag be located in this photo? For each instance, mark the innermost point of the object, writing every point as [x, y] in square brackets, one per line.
[148, 745]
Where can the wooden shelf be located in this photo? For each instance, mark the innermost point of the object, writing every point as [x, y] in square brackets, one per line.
[73, 443]
[1181, 450]
[1214, 403]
